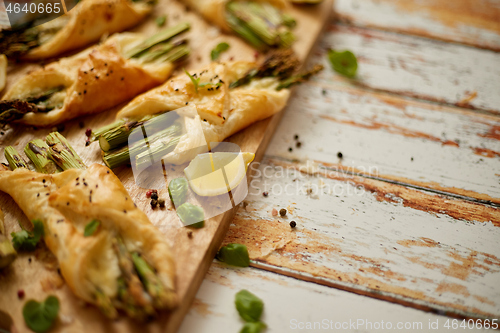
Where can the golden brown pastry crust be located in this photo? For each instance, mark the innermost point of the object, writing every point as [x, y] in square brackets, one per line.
[222, 111]
[88, 21]
[95, 79]
[65, 205]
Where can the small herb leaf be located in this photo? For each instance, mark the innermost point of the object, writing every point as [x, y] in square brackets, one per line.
[191, 215]
[253, 327]
[344, 62]
[234, 254]
[91, 228]
[197, 84]
[195, 81]
[178, 190]
[249, 306]
[39, 317]
[160, 21]
[27, 241]
[221, 47]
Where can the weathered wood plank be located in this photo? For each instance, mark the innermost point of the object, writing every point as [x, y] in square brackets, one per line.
[423, 144]
[374, 238]
[289, 304]
[193, 254]
[416, 67]
[472, 22]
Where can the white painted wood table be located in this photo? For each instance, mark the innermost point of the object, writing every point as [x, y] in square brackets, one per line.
[404, 228]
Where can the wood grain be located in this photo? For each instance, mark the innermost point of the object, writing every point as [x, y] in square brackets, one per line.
[290, 304]
[447, 149]
[370, 237]
[473, 23]
[193, 255]
[416, 67]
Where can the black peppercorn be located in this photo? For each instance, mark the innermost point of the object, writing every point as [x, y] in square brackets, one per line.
[265, 194]
[339, 155]
[161, 202]
[293, 224]
[298, 144]
[154, 203]
[282, 212]
[154, 195]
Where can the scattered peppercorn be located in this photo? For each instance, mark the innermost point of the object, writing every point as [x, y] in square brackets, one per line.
[190, 234]
[265, 194]
[290, 149]
[20, 294]
[148, 194]
[293, 224]
[154, 203]
[154, 195]
[87, 143]
[296, 136]
[282, 212]
[161, 202]
[298, 144]
[339, 155]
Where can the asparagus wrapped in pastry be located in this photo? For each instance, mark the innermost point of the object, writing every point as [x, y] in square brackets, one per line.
[109, 253]
[262, 23]
[227, 98]
[95, 79]
[83, 25]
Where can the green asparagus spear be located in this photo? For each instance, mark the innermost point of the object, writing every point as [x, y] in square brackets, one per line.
[162, 36]
[14, 158]
[61, 152]
[136, 302]
[119, 157]
[151, 282]
[38, 152]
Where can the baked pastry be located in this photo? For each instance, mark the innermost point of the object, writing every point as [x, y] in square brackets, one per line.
[262, 23]
[226, 97]
[93, 80]
[83, 25]
[123, 264]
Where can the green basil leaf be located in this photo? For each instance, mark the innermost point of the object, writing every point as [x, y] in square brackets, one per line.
[91, 228]
[177, 190]
[234, 254]
[253, 327]
[160, 21]
[249, 306]
[221, 47]
[25, 240]
[39, 317]
[344, 62]
[191, 215]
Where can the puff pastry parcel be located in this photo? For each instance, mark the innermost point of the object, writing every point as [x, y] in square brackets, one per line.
[227, 98]
[91, 81]
[103, 267]
[82, 25]
[262, 23]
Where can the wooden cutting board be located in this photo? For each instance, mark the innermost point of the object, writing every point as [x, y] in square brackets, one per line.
[36, 273]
